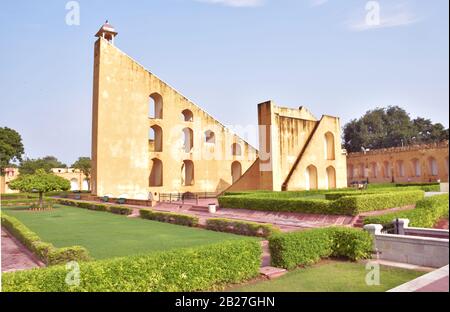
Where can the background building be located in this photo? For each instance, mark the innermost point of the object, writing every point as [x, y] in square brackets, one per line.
[415, 163]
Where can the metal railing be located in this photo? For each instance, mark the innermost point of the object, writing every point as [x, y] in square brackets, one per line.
[185, 197]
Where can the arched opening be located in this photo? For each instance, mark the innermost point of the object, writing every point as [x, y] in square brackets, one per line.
[374, 170]
[236, 171]
[350, 172]
[329, 146]
[331, 177]
[236, 149]
[85, 185]
[311, 178]
[187, 115]
[187, 173]
[361, 169]
[417, 171]
[156, 173]
[188, 140]
[155, 138]
[386, 169]
[155, 106]
[74, 185]
[400, 168]
[210, 137]
[433, 166]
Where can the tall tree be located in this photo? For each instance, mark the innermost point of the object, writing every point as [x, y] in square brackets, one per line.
[390, 127]
[84, 165]
[30, 166]
[11, 147]
[39, 182]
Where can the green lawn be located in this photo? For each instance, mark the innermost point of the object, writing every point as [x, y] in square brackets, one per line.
[333, 277]
[107, 235]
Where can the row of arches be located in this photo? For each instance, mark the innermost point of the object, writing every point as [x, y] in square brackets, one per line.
[399, 168]
[156, 109]
[312, 178]
[155, 137]
[187, 172]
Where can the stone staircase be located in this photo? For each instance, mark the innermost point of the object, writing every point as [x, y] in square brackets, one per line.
[266, 270]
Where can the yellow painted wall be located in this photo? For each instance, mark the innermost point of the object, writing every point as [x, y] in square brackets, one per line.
[121, 151]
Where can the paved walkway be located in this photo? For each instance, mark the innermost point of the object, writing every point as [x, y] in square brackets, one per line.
[286, 221]
[15, 256]
[436, 281]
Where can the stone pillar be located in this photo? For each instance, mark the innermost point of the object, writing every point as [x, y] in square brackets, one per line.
[400, 225]
[374, 230]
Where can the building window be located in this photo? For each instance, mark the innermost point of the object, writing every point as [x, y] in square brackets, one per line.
[311, 178]
[188, 140]
[350, 172]
[210, 137]
[155, 138]
[236, 149]
[156, 173]
[331, 177]
[374, 169]
[188, 116]
[155, 106]
[236, 171]
[187, 173]
[400, 168]
[387, 169]
[432, 163]
[329, 146]
[416, 167]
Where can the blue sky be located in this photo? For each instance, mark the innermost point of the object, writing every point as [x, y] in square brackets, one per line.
[225, 55]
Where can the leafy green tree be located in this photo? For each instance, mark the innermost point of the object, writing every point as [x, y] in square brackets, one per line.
[30, 166]
[40, 182]
[11, 147]
[427, 132]
[84, 164]
[390, 127]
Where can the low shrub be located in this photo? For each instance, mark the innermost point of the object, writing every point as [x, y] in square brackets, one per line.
[48, 253]
[289, 250]
[346, 203]
[378, 201]
[241, 227]
[120, 210]
[278, 204]
[13, 196]
[84, 205]
[428, 211]
[19, 202]
[169, 217]
[203, 268]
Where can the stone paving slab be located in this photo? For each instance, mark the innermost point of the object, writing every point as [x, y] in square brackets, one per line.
[436, 281]
[15, 256]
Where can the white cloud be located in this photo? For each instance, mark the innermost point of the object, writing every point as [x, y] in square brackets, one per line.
[315, 3]
[236, 3]
[389, 16]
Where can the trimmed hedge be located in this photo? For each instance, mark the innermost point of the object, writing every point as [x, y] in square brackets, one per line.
[241, 227]
[169, 217]
[378, 201]
[352, 203]
[203, 268]
[428, 211]
[121, 210]
[96, 207]
[19, 202]
[48, 253]
[289, 250]
[277, 204]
